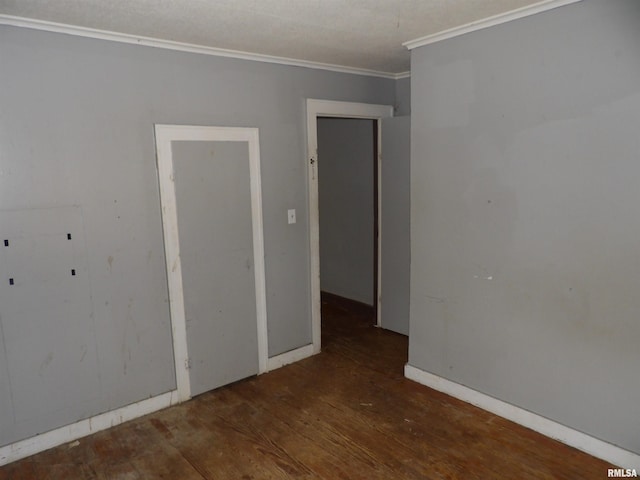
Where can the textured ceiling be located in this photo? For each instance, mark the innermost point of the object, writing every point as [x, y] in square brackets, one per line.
[365, 34]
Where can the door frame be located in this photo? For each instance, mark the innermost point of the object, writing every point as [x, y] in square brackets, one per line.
[329, 108]
[165, 134]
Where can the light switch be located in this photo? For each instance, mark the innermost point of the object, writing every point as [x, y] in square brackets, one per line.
[291, 216]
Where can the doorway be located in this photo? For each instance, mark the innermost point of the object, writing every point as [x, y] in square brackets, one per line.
[348, 201]
[212, 221]
[317, 109]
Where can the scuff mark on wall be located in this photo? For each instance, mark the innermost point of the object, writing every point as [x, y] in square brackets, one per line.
[43, 366]
[436, 299]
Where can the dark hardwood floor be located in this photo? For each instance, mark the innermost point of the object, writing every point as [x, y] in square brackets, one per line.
[347, 413]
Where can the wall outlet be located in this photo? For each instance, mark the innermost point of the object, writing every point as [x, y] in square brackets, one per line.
[291, 216]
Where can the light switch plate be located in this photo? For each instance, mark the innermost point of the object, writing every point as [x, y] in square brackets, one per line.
[291, 216]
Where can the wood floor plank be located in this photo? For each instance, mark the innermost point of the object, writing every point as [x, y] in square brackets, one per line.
[347, 413]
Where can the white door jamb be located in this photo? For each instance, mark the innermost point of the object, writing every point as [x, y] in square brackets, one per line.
[329, 108]
[165, 134]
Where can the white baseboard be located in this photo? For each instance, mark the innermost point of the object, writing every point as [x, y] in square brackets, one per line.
[593, 446]
[289, 357]
[68, 433]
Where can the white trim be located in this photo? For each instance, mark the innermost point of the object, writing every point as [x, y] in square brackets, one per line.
[488, 22]
[378, 300]
[182, 47]
[174, 268]
[290, 357]
[328, 108]
[569, 436]
[68, 433]
[258, 249]
[400, 76]
[165, 134]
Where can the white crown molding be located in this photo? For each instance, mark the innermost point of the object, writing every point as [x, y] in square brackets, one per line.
[591, 445]
[184, 47]
[539, 7]
[400, 76]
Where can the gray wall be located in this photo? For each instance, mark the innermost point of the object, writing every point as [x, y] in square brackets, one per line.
[403, 97]
[76, 129]
[524, 215]
[395, 223]
[345, 190]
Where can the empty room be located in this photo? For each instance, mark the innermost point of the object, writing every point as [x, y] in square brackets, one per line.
[421, 230]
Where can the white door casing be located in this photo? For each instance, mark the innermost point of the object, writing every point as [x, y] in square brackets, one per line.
[328, 108]
[165, 135]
